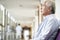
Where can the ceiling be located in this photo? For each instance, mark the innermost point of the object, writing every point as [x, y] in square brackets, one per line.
[21, 10]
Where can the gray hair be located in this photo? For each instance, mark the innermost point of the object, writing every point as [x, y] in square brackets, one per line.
[52, 5]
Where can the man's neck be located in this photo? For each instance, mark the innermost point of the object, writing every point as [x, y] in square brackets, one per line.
[47, 14]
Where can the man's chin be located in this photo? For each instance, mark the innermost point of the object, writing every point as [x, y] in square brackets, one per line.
[43, 14]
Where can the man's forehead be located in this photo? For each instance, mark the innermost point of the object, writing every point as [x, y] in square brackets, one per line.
[43, 5]
[48, 3]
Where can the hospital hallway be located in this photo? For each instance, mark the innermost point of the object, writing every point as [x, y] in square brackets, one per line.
[27, 13]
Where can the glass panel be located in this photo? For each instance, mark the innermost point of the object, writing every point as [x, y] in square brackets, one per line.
[1, 16]
[1, 22]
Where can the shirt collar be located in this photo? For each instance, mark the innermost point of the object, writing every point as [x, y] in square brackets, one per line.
[49, 16]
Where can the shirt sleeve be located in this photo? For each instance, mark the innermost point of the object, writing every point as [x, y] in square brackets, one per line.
[47, 30]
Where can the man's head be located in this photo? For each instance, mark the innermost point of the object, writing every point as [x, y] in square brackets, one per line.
[49, 8]
[18, 24]
[7, 24]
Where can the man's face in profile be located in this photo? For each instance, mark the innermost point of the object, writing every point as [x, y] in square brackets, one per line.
[45, 9]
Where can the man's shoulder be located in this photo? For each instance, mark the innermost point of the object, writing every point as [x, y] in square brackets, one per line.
[52, 18]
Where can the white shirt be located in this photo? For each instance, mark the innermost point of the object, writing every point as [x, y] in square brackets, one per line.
[18, 29]
[47, 27]
[8, 29]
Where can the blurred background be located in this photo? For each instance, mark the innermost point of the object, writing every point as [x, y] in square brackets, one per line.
[25, 12]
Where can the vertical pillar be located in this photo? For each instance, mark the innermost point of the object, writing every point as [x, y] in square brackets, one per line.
[40, 16]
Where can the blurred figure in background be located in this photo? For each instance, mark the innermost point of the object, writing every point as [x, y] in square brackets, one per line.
[8, 32]
[48, 28]
[18, 31]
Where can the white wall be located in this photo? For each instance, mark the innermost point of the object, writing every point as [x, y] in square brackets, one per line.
[57, 2]
[36, 23]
